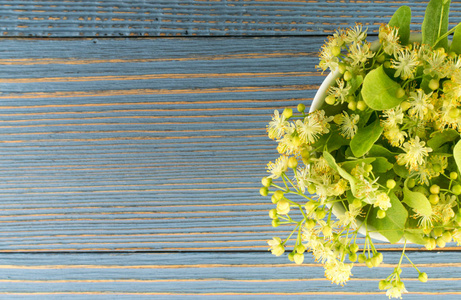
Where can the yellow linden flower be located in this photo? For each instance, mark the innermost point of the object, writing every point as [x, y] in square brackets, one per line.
[338, 272]
[276, 127]
[276, 246]
[415, 154]
[382, 201]
[278, 168]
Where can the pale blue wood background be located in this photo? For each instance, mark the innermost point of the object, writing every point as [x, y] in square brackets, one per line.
[131, 164]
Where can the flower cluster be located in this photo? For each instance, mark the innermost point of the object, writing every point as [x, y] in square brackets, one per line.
[385, 142]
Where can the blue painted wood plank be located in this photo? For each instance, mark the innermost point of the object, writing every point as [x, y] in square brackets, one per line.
[202, 275]
[138, 18]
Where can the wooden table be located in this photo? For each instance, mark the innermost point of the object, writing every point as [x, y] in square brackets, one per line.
[133, 141]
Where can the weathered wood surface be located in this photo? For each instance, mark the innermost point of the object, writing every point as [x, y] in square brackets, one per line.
[195, 17]
[130, 168]
[209, 276]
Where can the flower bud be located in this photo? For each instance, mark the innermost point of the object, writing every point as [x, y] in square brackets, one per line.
[383, 284]
[361, 105]
[354, 248]
[320, 213]
[266, 181]
[278, 195]
[422, 277]
[456, 189]
[310, 206]
[283, 207]
[301, 107]
[288, 113]
[300, 249]
[381, 214]
[292, 162]
[453, 175]
[298, 258]
[434, 199]
[275, 223]
[434, 189]
[264, 191]
[440, 242]
[362, 258]
[291, 256]
[273, 213]
[369, 263]
[390, 184]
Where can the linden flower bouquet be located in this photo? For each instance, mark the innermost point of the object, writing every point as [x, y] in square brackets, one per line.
[378, 154]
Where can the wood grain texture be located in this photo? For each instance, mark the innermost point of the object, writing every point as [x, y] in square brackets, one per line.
[137, 18]
[148, 147]
[210, 276]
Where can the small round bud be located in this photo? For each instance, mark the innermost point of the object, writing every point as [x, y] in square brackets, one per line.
[330, 99]
[347, 76]
[301, 107]
[411, 183]
[440, 242]
[434, 199]
[264, 191]
[362, 258]
[369, 263]
[266, 181]
[326, 230]
[273, 214]
[387, 64]
[375, 261]
[287, 113]
[430, 244]
[400, 93]
[310, 224]
[275, 223]
[422, 277]
[405, 105]
[305, 154]
[434, 189]
[400, 284]
[381, 214]
[298, 258]
[383, 284]
[300, 248]
[380, 257]
[310, 206]
[320, 213]
[353, 257]
[434, 84]
[456, 189]
[361, 105]
[292, 162]
[446, 236]
[380, 59]
[390, 184]
[453, 175]
[354, 248]
[437, 168]
[341, 68]
[291, 256]
[278, 195]
[352, 105]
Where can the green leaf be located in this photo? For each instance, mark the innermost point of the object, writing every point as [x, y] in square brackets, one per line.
[379, 90]
[456, 43]
[401, 171]
[378, 150]
[392, 226]
[440, 138]
[381, 165]
[365, 138]
[457, 154]
[416, 200]
[435, 23]
[402, 19]
[350, 164]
